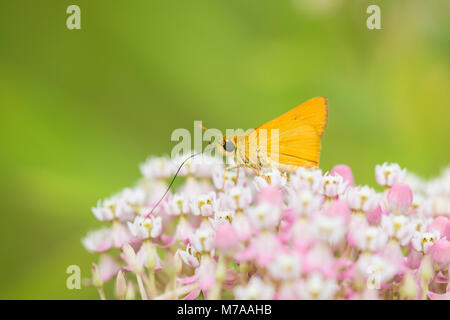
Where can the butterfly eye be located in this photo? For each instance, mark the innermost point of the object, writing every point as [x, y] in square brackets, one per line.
[229, 146]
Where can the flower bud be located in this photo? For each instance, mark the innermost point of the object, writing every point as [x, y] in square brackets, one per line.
[96, 277]
[221, 271]
[178, 263]
[440, 252]
[151, 258]
[131, 292]
[399, 198]
[345, 172]
[130, 258]
[426, 269]
[121, 285]
[408, 288]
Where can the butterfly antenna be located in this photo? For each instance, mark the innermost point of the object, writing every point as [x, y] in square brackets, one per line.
[173, 179]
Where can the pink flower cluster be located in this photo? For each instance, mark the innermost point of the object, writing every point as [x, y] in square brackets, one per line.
[309, 235]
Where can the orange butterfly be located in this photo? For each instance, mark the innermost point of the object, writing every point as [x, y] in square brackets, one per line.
[290, 141]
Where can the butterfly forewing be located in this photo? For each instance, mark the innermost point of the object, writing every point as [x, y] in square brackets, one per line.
[291, 140]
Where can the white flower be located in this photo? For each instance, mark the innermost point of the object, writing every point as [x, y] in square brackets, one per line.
[333, 185]
[316, 287]
[329, 229]
[203, 205]
[203, 166]
[419, 224]
[389, 174]
[422, 241]
[241, 196]
[437, 206]
[103, 212]
[362, 198]
[119, 234]
[179, 204]
[398, 227]
[376, 267]
[114, 207]
[189, 256]
[227, 179]
[157, 168]
[129, 255]
[98, 240]
[264, 216]
[307, 178]
[370, 238]
[146, 227]
[134, 196]
[305, 202]
[285, 266]
[202, 239]
[256, 289]
[223, 216]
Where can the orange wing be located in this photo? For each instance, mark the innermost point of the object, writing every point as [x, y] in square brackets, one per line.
[300, 133]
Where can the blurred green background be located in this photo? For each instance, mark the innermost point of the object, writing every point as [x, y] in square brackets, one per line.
[81, 109]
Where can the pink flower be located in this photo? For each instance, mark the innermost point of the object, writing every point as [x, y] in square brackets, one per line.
[206, 273]
[120, 235]
[345, 172]
[98, 241]
[374, 216]
[435, 296]
[389, 174]
[271, 195]
[440, 252]
[108, 267]
[399, 198]
[414, 259]
[262, 249]
[339, 208]
[442, 225]
[226, 239]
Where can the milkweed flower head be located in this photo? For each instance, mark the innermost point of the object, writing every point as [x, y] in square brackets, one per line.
[308, 235]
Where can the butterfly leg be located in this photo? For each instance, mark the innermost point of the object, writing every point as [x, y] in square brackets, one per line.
[258, 172]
